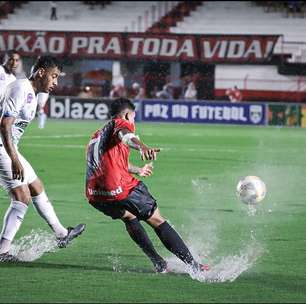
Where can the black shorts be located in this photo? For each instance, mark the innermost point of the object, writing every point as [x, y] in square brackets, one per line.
[139, 202]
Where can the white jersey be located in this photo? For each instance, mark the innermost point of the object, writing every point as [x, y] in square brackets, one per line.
[20, 102]
[5, 80]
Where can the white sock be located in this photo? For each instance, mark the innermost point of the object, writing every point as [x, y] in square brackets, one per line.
[42, 117]
[46, 211]
[11, 224]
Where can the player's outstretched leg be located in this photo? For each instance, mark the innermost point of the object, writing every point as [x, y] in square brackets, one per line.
[141, 238]
[173, 242]
[46, 211]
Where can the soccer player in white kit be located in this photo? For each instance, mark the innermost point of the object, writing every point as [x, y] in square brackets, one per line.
[7, 69]
[17, 109]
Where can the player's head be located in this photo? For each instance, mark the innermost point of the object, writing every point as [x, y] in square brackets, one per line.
[124, 108]
[45, 73]
[11, 60]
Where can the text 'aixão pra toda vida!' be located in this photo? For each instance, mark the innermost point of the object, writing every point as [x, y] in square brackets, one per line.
[206, 48]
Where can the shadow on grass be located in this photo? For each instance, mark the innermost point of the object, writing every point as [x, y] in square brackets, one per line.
[121, 269]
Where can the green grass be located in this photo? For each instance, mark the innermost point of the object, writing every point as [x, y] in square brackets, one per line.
[194, 182]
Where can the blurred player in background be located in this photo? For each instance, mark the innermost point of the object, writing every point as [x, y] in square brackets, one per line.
[41, 102]
[139, 92]
[18, 108]
[7, 69]
[86, 92]
[234, 94]
[112, 189]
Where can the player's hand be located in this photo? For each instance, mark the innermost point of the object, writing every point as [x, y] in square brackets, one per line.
[146, 170]
[17, 169]
[149, 153]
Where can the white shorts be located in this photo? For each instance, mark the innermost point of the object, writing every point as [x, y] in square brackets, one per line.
[6, 180]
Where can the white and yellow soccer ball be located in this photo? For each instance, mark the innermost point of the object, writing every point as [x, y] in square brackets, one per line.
[251, 190]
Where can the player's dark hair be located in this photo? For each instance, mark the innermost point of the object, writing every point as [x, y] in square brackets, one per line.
[120, 104]
[10, 53]
[46, 62]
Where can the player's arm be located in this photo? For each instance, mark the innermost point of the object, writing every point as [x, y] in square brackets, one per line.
[7, 140]
[131, 140]
[41, 101]
[144, 171]
[12, 104]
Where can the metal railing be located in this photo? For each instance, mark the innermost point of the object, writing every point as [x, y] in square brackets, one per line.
[151, 15]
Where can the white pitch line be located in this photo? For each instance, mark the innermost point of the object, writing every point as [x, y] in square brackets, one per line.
[55, 146]
[167, 149]
[165, 135]
[55, 136]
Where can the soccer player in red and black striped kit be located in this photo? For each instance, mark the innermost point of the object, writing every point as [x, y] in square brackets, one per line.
[112, 189]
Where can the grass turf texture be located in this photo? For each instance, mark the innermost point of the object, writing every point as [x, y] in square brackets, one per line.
[194, 182]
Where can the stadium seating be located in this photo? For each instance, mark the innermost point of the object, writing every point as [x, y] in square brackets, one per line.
[116, 16]
[231, 17]
[178, 13]
[198, 17]
[139, 16]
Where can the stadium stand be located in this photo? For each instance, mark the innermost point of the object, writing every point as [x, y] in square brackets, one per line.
[231, 17]
[128, 16]
[9, 7]
[202, 17]
[261, 17]
[178, 13]
[274, 81]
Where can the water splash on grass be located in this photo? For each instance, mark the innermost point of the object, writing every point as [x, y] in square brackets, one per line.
[32, 246]
[228, 268]
[204, 244]
[115, 261]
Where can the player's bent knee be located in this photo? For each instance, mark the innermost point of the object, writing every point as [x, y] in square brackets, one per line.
[36, 187]
[128, 216]
[21, 194]
[155, 220]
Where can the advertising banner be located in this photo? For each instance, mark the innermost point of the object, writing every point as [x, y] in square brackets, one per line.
[284, 115]
[204, 112]
[146, 46]
[303, 116]
[81, 108]
[239, 49]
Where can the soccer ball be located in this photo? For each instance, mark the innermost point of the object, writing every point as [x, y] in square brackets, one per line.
[251, 190]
